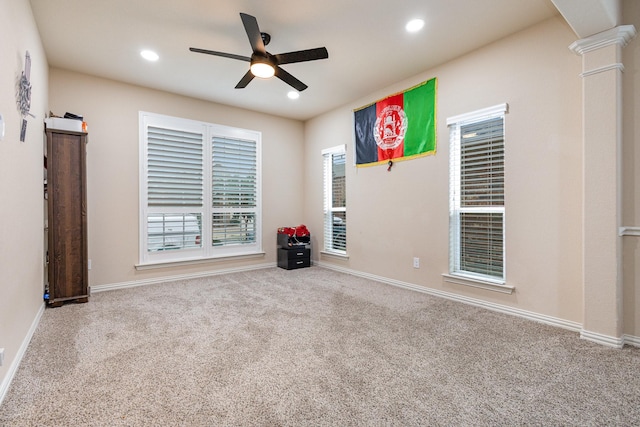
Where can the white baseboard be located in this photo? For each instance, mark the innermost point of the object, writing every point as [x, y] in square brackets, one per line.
[631, 340]
[602, 339]
[163, 279]
[530, 315]
[6, 382]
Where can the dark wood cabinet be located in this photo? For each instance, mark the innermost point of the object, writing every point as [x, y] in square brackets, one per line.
[67, 216]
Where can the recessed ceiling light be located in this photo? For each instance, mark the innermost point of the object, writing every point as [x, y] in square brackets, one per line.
[414, 25]
[149, 55]
[293, 94]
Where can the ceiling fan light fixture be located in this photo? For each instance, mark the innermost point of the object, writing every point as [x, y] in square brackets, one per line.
[263, 64]
[261, 67]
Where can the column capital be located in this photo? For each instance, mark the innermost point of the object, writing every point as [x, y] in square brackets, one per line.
[620, 35]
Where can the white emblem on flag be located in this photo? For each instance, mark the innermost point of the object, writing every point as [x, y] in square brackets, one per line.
[390, 127]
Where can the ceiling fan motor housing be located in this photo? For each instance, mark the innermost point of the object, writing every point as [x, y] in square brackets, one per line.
[266, 38]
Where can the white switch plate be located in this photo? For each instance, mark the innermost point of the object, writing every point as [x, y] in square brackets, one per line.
[1, 128]
[1, 356]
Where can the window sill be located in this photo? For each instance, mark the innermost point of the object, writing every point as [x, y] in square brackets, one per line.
[195, 261]
[334, 254]
[482, 284]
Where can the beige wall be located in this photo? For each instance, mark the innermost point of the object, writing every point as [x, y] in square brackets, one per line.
[395, 216]
[21, 183]
[631, 171]
[111, 111]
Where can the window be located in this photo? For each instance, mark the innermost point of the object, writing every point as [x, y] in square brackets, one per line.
[199, 190]
[476, 202]
[335, 200]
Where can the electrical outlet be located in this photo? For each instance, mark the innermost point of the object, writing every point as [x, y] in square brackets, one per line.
[416, 262]
[1, 356]
[89, 264]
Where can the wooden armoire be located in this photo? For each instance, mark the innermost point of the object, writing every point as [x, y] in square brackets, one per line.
[67, 217]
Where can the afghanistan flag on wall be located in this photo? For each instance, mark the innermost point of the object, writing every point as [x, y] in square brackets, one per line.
[398, 127]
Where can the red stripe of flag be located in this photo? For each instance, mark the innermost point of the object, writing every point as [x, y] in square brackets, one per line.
[387, 154]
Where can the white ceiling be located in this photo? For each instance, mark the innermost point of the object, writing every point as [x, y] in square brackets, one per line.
[588, 17]
[368, 46]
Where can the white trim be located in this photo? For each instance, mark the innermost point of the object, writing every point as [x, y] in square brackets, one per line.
[195, 261]
[496, 110]
[338, 149]
[609, 341]
[529, 315]
[11, 372]
[328, 209]
[619, 35]
[456, 209]
[334, 254]
[154, 281]
[629, 231]
[617, 66]
[482, 284]
[631, 340]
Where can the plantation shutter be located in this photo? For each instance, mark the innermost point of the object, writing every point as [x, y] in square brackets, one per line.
[174, 168]
[174, 189]
[234, 191]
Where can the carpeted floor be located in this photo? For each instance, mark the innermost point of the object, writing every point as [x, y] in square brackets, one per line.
[310, 347]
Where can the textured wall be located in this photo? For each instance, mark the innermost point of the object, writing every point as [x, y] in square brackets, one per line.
[21, 185]
[395, 216]
[111, 111]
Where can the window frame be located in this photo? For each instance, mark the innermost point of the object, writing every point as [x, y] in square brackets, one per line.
[455, 197]
[206, 250]
[328, 208]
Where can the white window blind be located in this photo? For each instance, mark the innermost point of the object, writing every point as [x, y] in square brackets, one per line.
[477, 213]
[234, 198]
[335, 200]
[174, 167]
[198, 200]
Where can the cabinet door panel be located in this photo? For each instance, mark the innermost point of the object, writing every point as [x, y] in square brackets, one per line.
[67, 216]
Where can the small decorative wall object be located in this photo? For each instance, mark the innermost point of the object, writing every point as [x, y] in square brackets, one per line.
[24, 96]
[399, 127]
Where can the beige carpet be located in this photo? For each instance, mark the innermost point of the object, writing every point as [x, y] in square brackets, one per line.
[310, 347]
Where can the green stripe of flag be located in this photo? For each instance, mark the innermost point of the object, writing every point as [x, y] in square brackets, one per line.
[420, 108]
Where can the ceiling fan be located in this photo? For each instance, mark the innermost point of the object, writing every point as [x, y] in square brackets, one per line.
[264, 64]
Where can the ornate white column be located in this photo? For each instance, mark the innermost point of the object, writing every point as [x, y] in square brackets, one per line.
[602, 175]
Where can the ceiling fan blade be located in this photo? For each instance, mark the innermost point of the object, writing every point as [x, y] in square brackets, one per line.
[290, 80]
[302, 55]
[245, 80]
[253, 32]
[226, 55]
